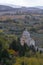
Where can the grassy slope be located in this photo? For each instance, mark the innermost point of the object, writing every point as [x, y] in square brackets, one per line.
[29, 61]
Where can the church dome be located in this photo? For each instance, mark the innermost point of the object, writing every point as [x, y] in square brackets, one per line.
[26, 33]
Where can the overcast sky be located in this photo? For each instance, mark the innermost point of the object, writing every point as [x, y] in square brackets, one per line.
[23, 2]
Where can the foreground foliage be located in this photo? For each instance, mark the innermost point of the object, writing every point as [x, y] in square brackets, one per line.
[12, 53]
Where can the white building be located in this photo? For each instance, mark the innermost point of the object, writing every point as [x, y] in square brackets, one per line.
[26, 39]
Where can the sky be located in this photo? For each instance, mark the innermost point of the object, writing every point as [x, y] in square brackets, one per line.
[27, 3]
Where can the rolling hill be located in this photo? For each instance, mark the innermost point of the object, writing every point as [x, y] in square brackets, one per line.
[15, 8]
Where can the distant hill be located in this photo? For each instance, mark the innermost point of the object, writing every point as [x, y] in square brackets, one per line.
[5, 8]
[14, 8]
[40, 7]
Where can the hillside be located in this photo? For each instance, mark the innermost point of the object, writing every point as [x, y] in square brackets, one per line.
[14, 20]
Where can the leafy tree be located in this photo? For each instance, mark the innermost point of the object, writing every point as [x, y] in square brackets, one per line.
[13, 45]
[0, 50]
[32, 48]
[5, 54]
[33, 29]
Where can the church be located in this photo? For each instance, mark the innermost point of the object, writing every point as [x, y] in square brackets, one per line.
[26, 39]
